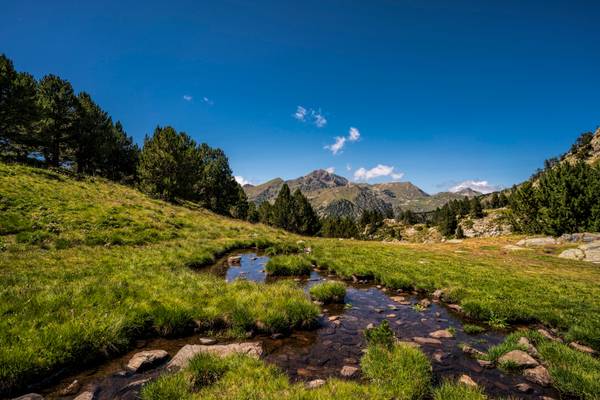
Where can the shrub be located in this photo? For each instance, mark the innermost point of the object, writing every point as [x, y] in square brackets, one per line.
[290, 265]
[329, 292]
[381, 335]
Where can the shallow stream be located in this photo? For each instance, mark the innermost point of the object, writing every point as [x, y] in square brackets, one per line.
[337, 342]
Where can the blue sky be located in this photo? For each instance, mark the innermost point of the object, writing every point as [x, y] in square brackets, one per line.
[440, 92]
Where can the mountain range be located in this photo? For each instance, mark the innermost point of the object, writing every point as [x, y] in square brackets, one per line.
[334, 195]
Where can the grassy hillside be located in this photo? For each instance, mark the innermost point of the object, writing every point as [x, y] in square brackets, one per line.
[87, 265]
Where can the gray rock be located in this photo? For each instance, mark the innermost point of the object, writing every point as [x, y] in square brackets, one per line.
[207, 341]
[315, 383]
[348, 371]
[472, 351]
[146, 359]
[573, 254]
[582, 348]
[538, 375]
[429, 341]
[531, 350]
[187, 352]
[519, 358]
[441, 334]
[539, 241]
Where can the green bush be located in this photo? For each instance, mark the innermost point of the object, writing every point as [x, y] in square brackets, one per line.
[288, 265]
[329, 292]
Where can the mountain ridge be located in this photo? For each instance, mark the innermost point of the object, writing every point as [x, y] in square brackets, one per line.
[334, 195]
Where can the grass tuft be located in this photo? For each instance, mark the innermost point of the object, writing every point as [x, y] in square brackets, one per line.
[288, 265]
[329, 292]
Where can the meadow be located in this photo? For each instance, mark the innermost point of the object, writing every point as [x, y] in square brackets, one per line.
[87, 266]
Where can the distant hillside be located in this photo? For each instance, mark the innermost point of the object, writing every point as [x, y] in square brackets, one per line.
[333, 195]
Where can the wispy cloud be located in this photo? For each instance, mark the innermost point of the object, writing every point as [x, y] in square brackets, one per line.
[480, 186]
[315, 117]
[241, 180]
[337, 146]
[364, 175]
[348, 167]
[331, 170]
[300, 113]
[187, 97]
[340, 141]
[208, 101]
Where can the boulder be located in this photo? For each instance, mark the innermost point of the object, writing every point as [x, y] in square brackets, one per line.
[539, 241]
[429, 341]
[467, 380]
[519, 358]
[472, 351]
[548, 335]
[349, 371]
[441, 334]
[538, 375]
[146, 359]
[187, 352]
[592, 251]
[524, 387]
[315, 383]
[572, 254]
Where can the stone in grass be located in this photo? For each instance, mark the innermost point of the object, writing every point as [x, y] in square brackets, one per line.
[523, 341]
[187, 352]
[315, 383]
[472, 351]
[456, 308]
[349, 371]
[582, 348]
[146, 359]
[539, 375]
[441, 334]
[467, 380]
[519, 358]
[424, 341]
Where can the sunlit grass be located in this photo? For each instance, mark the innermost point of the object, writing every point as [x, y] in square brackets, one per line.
[329, 292]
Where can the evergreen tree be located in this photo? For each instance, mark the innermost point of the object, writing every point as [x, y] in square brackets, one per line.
[494, 201]
[305, 220]
[445, 220]
[217, 188]
[343, 227]
[169, 165]
[241, 207]
[18, 112]
[265, 213]
[476, 209]
[525, 209]
[282, 209]
[253, 215]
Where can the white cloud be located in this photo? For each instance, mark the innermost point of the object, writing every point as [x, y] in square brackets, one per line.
[187, 97]
[348, 167]
[331, 170]
[241, 180]
[363, 174]
[300, 113]
[340, 141]
[208, 101]
[318, 119]
[315, 117]
[480, 186]
[336, 147]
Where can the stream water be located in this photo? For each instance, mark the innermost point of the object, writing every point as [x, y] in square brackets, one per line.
[337, 342]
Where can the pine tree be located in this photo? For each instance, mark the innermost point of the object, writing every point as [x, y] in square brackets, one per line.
[304, 218]
[265, 213]
[253, 215]
[476, 209]
[217, 188]
[282, 209]
[57, 105]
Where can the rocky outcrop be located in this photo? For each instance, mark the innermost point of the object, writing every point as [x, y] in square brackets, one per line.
[187, 352]
[537, 242]
[589, 251]
[146, 359]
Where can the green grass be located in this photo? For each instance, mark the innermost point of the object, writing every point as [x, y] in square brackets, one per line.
[472, 329]
[87, 266]
[457, 391]
[493, 286]
[82, 274]
[329, 292]
[402, 373]
[289, 265]
[574, 373]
